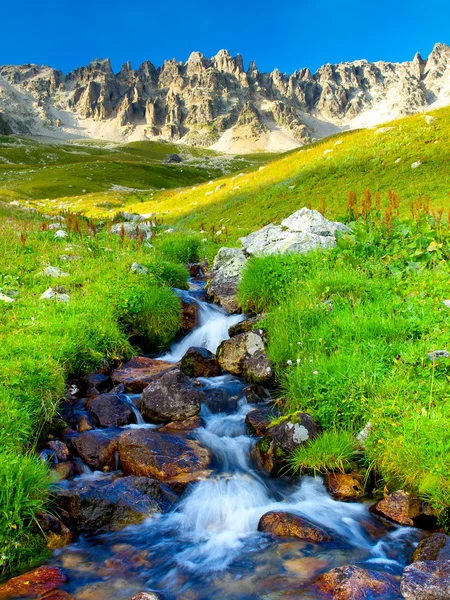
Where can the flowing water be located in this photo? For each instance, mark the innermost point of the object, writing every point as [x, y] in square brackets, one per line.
[208, 547]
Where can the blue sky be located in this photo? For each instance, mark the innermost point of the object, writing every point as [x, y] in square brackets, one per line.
[288, 35]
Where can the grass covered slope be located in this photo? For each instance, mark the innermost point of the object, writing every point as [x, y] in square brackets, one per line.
[104, 174]
[352, 334]
[43, 342]
[379, 159]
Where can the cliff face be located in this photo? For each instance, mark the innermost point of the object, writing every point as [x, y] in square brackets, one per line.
[217, 102]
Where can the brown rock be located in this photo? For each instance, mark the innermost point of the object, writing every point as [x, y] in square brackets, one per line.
[259, 419]
[426, 580]
[60, 450]
[137, 373]
[285, 524]
[187, 425]
[189, 316]
[200, 362]
[170, 397]
[400, 507]
[58, 595]
[97, 448]
[345, 486]
[62, 470]
[194, 269]
[33, 584]
[56, 533]
[85, 423]
[354, 583]
[434, 547]
[162, 455]
[110, 410]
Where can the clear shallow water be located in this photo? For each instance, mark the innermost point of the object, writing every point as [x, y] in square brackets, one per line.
[209, 546]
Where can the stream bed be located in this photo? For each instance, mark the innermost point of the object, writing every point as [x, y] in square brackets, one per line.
[208, 545]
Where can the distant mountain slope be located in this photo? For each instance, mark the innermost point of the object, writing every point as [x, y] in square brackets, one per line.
[216, 102]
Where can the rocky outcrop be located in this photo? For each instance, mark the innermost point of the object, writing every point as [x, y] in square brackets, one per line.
[111, 504]
[281, 439]
[284, 524]
[303, 231]
[204, 98]
[5, 129]
[354, 583]
[170, 397]
[224, 278]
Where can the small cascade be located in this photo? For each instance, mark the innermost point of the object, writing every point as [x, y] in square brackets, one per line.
[212, 329]
[137, 413]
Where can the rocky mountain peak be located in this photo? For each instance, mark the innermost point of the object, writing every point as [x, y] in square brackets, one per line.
[215, 102]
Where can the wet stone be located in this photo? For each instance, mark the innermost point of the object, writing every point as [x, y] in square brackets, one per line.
[33, 584]
[426, 580]
[170, 397]
[200, 362]
[137, 373]
[111, 410]
[434, 547]
[285, 524]
[259, 419]
[405, 509]
[354, 583]
[97, 448]
[345, 486]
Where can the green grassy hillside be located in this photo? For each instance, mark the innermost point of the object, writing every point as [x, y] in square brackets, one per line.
[379, 159]
[32, 170]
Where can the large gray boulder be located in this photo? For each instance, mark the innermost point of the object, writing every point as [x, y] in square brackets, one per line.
[303, 231]
[224, 278]
[132, 230]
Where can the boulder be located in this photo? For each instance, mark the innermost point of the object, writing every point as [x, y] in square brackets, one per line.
[172, 159]
[137, 373]
[434, 547]
[345, 486]
[303, 231]
[255, 393]
[405, 509]
[285, 524]
[281, 439]
[33, 584]
[111, 410]
[109, 504]
[244, 355]
[224, 277]
[354, 583]
[139, 269]
[426, 580]
[97, 448]
[187, 425]
[170, 397]
[200, 362]
[246, 325]
[194, 269]
[166, 457]
[54, 272]
[259, 419]
[51, 294]
[97, 383]
[147, 596]
[56, 533]
[132, 230]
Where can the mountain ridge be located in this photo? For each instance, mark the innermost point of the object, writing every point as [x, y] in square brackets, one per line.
[216, 103]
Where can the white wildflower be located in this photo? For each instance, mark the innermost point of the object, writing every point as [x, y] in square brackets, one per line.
[289, 362]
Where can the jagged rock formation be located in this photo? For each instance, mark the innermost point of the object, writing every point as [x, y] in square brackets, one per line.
[216, 102]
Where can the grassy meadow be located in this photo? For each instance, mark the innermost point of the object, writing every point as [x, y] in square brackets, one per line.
[350, 330]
